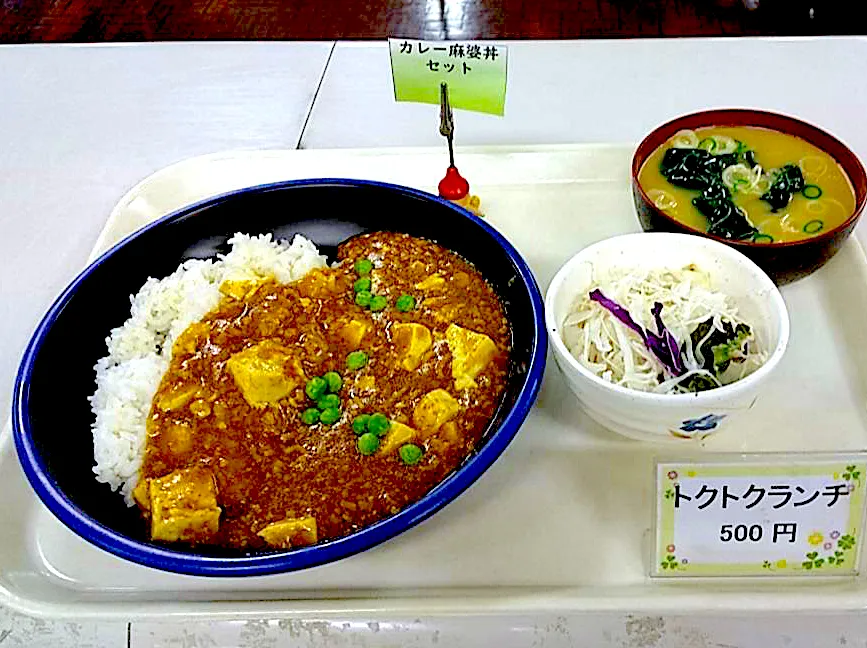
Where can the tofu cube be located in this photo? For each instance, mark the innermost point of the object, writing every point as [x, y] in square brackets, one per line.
[433, 282]
[141, 494]
[176, 397]
[397, 435]
[353, 332]
[471, 353]
[184, 506]
[191, 339]
[265, 373]
[291, 532]
[411, 341]
[435, 409]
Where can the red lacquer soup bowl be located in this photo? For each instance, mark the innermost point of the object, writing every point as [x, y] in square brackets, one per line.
[784, 261]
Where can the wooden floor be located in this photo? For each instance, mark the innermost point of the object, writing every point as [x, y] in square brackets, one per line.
[144, 20]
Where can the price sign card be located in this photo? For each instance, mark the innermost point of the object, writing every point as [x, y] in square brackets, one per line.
[762, 518]
[474, 71]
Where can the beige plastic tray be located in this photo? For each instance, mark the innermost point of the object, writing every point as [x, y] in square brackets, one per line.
[562, 521]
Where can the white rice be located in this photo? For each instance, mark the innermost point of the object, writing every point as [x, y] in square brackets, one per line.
[139, 351]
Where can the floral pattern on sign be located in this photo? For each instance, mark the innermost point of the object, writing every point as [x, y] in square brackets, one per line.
[852, 474]
[670, 562]
[772, 566]
[833, 556]
[827, 546]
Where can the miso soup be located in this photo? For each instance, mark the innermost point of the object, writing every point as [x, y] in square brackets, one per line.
[747, 183]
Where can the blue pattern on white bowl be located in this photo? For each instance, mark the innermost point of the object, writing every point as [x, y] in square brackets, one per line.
[703, 423]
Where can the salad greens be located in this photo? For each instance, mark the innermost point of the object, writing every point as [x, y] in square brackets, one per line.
[714, 349]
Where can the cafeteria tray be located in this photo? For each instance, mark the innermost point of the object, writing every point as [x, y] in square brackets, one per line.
[561, 522]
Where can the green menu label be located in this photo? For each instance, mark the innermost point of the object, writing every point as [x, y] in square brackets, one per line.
[475, 72]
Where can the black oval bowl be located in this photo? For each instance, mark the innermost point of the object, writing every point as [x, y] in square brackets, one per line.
[51, 413]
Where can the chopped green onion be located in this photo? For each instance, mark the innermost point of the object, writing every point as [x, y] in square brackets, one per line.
[334, 381]
[410, 454]
[708, 144]
[363, 267]
[814, 227]
[811, 192]
[368, 443]
[759, 237]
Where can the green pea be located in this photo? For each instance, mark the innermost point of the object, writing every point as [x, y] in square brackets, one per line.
[315, 388]
[361, 285]
[335, 382]
[368, 443]
[359, 424]
[410, 454]
[378, 424]
[405, 303]
[363, 267]
[363, 298]
[329, 401]
[378, 303]
[310, 416]
[330, 416]
[356, 360]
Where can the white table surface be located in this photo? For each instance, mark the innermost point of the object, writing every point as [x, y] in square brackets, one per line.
[603, 91]
[81, 124]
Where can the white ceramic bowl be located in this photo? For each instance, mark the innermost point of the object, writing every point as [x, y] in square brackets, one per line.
[669, 417]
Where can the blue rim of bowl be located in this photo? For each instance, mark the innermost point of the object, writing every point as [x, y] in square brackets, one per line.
[272, 563]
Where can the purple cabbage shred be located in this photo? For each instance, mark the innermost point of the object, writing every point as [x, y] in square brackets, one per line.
[662, 344]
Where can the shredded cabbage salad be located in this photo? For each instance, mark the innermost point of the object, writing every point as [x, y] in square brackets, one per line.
[663, 330]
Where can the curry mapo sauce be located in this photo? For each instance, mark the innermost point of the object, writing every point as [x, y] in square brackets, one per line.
[231, 441]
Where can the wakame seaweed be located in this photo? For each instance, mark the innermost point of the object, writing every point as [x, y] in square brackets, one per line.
[700, 169]
[697, 383]
[694, 168]
[788, 181]
[715, 350]
[724, 218]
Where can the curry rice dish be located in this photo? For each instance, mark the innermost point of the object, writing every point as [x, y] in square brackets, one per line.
[308, 403]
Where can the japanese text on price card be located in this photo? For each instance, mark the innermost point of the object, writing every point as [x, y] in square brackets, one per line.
[474, 71]
[779, 517]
